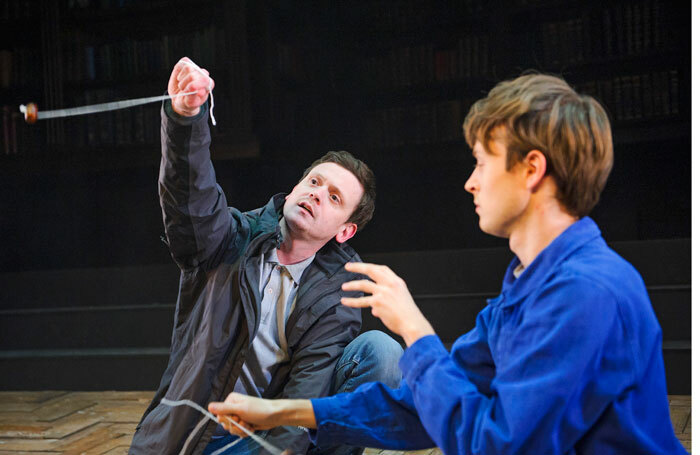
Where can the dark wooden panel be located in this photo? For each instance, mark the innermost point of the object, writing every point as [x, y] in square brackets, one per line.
[89, 287]
[660, 262]
[678, 374]
[672, 308]
[448, 271]
[83, 372]
[94, 327]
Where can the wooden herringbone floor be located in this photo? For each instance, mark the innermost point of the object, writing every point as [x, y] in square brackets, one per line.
[86, 423]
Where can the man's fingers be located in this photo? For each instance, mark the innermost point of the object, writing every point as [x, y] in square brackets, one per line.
[185, 80]
[233, 428]
[228, 423]
[358, 302]
[184, 63]
[184, 71]
[374, 271]
[194, 81]
[218, 408]
[198, 86]
[366, 286]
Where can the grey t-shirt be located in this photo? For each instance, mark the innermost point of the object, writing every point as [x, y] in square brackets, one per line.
[267, 350]
[269, 345]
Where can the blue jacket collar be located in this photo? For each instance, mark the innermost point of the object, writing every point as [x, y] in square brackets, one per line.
[573, 238]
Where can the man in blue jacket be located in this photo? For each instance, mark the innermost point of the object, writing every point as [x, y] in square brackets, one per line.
[566, 360]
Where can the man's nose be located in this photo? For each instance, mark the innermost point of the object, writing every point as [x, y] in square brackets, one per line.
[315, 195]
[470, 184]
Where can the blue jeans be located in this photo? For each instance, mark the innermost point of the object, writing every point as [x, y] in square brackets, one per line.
[373, 356]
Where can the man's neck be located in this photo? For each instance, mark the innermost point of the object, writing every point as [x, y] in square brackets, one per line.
[295, 250]
[537, 229]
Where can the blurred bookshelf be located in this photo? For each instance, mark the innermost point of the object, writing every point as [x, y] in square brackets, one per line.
[388, 80]
[393, 80]
[93, 51]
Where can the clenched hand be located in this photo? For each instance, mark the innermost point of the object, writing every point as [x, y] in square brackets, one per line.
[187, 77]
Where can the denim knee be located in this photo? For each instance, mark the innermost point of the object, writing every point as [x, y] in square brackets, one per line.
[373, 356]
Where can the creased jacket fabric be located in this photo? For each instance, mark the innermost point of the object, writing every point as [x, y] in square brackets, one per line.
[566, 360]
[218, 307]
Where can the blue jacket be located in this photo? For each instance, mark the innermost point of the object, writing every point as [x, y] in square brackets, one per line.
[566, 360]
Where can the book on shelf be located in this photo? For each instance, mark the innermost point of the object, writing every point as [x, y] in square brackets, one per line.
[139, 125]
[7, 146]
[17, 137]
[127, 58]
[408, 15]
[18, 9]
[650, 95]
[5, 68]
[14, 120]
[629, 97]
[621, 30]
[20, 67]
[111, 4]
[412, 66]
[415, 125]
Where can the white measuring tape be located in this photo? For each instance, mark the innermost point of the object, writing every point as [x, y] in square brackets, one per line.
[266, 445]
[31, 113]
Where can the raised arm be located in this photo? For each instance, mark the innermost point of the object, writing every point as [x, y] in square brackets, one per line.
[198, 224]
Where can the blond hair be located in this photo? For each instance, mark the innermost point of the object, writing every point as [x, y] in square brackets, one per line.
[541, 112]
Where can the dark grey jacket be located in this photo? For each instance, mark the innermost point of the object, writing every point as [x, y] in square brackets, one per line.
[218, 308]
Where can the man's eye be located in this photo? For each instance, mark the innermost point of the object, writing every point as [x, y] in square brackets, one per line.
[335, 198]
[314, 181]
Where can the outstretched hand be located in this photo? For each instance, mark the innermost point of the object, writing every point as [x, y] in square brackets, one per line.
[187, 77]
[389, 299]
[250, 412]
[260, 414]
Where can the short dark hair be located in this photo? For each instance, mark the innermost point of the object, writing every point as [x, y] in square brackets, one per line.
[365, 208]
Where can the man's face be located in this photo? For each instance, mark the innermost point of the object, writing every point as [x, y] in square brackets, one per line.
[319, 206]
[501, 197]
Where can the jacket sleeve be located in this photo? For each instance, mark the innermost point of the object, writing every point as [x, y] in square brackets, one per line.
[374, 415]
[313, 364]
[560, 366]
[199, 226]
[377, 416]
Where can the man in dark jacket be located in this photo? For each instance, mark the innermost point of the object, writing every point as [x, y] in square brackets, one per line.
[259, 308]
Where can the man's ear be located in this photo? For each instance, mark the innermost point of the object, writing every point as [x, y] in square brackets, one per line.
[290, 193]
[535, 168]
[346, 232]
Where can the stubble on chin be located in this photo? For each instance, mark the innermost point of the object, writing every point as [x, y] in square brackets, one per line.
[295, 225]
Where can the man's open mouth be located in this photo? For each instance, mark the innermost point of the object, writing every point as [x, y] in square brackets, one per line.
[307, 207]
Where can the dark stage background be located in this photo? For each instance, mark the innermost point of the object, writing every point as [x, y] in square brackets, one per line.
[389, 81]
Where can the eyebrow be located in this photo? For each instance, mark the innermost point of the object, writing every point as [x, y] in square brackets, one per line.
[333, 188]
